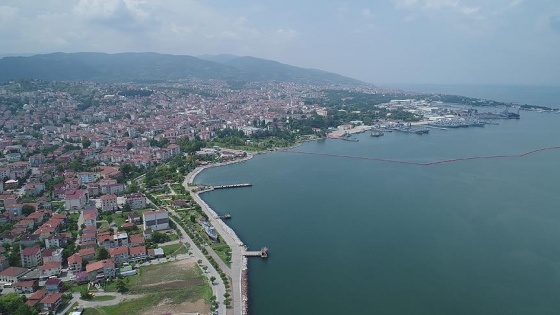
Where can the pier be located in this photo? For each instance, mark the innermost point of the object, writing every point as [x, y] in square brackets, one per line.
[232, 186]
[263, 253]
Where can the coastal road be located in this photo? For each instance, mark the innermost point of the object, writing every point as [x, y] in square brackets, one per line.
[218, 288]
[227, 234]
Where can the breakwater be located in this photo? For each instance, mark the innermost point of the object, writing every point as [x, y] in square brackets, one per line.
[502, 156]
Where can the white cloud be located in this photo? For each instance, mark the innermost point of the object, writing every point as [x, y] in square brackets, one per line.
[7, 14]
[515, 3]
[443, 6]
[366, 13]
[287, 33]
[470, 11]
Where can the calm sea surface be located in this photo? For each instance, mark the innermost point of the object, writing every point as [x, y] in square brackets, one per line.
[356, 236]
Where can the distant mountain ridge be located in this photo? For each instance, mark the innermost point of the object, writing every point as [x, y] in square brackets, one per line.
[129, 67]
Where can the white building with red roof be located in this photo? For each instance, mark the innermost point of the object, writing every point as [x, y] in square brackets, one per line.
[75, 199]
[109, 203]
[31, 256]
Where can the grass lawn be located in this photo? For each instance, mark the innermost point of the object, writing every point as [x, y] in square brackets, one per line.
[77, 288]
[129, 281]
[75, 216]
[174, 249]
[117, 218]
[98, 298]
[223, 251]
[72, 308]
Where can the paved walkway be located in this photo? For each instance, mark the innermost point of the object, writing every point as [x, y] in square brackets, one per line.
[85, 303]
[218, 288]
[237, 247]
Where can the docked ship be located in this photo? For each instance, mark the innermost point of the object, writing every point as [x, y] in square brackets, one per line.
[376, 133]
[458, 123]
[408, 129]
[348, 137]
[209, 230]
[503, 115]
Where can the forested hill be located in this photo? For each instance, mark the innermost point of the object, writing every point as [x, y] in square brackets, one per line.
[125, 67]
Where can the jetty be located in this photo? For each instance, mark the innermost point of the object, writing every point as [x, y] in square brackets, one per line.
[263, 253]
[231, 186]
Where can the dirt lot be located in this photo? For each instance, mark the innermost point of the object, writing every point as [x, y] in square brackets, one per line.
[179, 282]
[177, 287]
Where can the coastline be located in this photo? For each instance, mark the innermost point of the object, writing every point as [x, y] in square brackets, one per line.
[239, 268]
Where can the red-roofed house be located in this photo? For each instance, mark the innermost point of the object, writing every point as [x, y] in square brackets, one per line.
[51, 302]
[12, 274]
[137, 254]
[75, 199]
[26, 286]
[87, 253]
[52, 255]
[75, 263]
[53, 285]
[37, 217]
[109, 203]
[119, 254]
[50, 269]
[105, 240]
[136, 201]
[14, 209]
[101, 269]
[36, 297]
[136, 240]
[31, 257]
[90, 217]
[82, 277]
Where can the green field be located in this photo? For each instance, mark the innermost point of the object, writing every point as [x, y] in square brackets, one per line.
[169, 283]
[174, 249]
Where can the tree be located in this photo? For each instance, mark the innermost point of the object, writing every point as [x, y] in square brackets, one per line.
[212, 279]
[101, 253]
[27, 209]
[121, 286]
[86, 143]
[14, 258]
[85, 294]
[13, 303]
[158, 237]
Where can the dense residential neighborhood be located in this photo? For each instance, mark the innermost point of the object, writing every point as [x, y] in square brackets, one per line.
[71, 211]
[81, 164]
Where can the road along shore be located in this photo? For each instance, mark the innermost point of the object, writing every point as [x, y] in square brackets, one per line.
[239, 270]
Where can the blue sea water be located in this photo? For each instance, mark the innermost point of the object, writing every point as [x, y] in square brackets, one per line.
[348, 235]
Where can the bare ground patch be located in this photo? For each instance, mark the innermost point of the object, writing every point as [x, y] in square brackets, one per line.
[198, 306]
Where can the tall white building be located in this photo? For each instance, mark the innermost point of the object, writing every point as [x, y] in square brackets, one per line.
[156, 220]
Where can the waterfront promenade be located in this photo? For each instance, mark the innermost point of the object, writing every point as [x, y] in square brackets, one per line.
[238, 262]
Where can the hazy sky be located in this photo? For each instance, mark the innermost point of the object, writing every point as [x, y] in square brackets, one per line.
[379, 41]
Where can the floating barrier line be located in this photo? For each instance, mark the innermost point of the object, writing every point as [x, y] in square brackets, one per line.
[429, 163]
